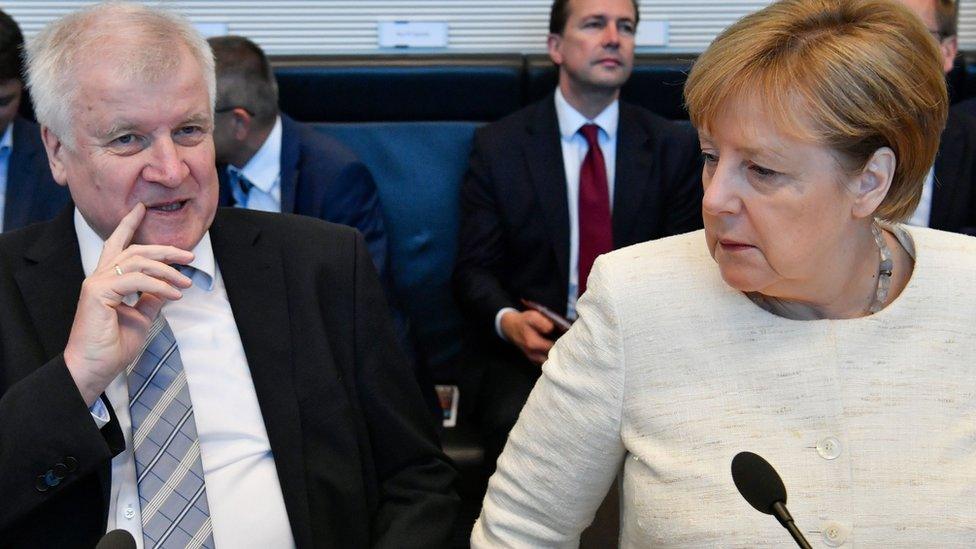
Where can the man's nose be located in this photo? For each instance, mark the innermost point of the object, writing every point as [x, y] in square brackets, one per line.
[166, 165]
[611, 36]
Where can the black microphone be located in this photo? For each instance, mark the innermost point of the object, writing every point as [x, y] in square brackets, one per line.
[117, 539]
[759, 483]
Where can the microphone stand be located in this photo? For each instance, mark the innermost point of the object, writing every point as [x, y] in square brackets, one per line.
[784, 518]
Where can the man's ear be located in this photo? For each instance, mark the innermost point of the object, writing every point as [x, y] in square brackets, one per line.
[874, 181]
[949, 49]
[56, 150]
[552, 43]
[242, 120]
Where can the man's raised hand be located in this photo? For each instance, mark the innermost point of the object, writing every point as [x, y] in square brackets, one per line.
[107, 333]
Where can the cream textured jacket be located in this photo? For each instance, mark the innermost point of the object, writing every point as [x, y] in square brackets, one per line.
[871, 422]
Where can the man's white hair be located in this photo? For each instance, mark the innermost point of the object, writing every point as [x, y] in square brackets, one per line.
[143, 41]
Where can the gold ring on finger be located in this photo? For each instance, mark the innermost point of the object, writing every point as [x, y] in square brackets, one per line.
[119, 271]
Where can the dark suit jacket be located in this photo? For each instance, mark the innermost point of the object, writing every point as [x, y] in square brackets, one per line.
[32, 195]
[355, 453]
[321, 177]
[514, 236]
[954, 193]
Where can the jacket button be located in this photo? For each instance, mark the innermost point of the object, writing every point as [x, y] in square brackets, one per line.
[71, 463]
[41, 485]
[51, 479]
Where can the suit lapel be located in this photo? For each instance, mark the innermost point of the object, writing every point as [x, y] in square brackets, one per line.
[947, 166]
[226, 197]
[51, 283]
[50, 286]
[254, 276]
[21, 183]
[290, 156]
[632, 174]
[544, 155]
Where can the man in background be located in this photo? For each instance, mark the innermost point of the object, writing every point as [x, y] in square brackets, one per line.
[949, 195]
[551, 187]
[27, 192]
[272, 163]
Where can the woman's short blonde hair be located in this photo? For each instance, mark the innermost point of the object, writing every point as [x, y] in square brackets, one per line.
[851, 75]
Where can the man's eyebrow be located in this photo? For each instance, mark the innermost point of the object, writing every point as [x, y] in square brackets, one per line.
[118, 127]
[198, 118]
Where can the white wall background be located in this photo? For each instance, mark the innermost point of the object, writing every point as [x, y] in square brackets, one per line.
[349, 26]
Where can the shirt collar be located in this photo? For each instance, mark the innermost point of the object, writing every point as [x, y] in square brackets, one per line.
[7, 141]
[263, 169]
[90, 246]
[570, 120]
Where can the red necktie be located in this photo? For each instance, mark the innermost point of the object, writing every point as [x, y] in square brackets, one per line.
[595, 225]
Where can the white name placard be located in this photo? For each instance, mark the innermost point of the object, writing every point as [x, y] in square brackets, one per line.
[211, 29]
[652, 33]
[412, 34]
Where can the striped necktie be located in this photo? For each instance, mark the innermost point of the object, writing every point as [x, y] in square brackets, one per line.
[169, 473]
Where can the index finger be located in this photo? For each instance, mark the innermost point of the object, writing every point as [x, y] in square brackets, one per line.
[122, 235]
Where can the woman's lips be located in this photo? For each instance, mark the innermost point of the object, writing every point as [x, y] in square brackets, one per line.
[733, 246]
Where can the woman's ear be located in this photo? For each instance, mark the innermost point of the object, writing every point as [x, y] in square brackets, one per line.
[873, 182]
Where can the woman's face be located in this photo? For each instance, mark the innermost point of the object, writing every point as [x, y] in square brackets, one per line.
[777, 210]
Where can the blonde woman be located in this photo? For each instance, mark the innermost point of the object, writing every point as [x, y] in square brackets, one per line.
[803, 324]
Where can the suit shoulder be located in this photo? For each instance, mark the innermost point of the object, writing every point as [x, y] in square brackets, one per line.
[16, 243]
[657, 124]
[291, 230]
[318, 147]
[960, 122]
[505, 128]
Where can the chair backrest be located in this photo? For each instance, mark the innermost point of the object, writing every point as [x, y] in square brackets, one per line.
[399, 88]
[418, 167]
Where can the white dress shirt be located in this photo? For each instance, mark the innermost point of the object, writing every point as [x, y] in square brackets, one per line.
[923, 213]
[575, 147]
[6, 148]
[243, 492]
[263, 171]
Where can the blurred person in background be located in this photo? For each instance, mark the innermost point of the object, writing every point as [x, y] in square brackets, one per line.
[28, 193]
[269, 162]
[949, 193]
[551, 187]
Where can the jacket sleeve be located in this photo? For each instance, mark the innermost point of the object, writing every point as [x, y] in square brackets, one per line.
[48, 440]
[417, 501]
[481, 246]
[566, 449]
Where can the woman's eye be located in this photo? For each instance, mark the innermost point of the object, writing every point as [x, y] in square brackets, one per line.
[761, 171]
[709, 158]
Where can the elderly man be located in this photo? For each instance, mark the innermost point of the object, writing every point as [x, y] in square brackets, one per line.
[949, 195]
[27, 192]
[196, 377]
[551, 187]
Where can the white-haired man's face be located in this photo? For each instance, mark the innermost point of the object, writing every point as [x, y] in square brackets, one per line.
[139, 141]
